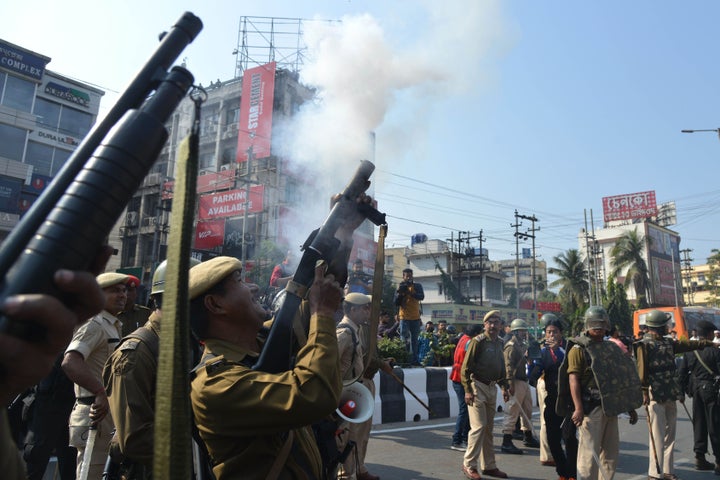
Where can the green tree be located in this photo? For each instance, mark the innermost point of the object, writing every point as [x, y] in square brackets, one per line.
[713, 278]
[618, 307]
[627, 253]
[573, 284]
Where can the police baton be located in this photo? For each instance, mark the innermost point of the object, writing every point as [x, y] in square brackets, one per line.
[652, 441]
[397, 379]
[682, 402]
[87, 455]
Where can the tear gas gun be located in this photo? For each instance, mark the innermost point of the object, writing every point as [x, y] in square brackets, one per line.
[277, 354]
[71, 219]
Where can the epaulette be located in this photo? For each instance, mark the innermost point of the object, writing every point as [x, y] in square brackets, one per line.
[129, 345]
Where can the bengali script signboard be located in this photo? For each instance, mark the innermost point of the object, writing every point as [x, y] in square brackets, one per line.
[629, 206]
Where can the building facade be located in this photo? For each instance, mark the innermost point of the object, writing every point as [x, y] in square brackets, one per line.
[661, 255]
[43, 118]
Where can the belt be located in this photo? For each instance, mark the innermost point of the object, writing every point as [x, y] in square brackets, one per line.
[85, 400]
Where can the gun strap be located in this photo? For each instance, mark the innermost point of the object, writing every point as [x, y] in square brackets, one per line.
[296, 288]
[703, 363]
[377, 289]
[173, 414]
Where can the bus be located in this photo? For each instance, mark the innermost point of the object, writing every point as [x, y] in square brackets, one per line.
[683, 319]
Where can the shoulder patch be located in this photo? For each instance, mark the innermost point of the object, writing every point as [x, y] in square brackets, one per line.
[129, 345]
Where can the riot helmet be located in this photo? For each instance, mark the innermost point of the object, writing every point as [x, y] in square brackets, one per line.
[518, 324]
[657, 318]
[597, 317]
[548, 317]
[158, 279]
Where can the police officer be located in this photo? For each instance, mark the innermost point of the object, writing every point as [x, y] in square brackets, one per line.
[655, 355]
[482, 369]
[699, 382]
[130, 376]
[83, 363]
[133, 315]
[601, 383]
[520, 404]
[254, 423]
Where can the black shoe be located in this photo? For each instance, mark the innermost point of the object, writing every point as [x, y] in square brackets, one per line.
[518, 435]
[508, 447]
[717, 469]
[531, 441]
[702, 464]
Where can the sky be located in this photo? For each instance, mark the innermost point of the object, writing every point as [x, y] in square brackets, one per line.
[479, 107]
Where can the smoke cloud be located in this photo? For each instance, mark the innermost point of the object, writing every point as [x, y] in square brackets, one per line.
[375, 95]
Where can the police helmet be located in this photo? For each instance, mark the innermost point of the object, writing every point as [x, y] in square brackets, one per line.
[657, 318]
[158, 279]
[547, 318]
[518, 324]
[597, 317]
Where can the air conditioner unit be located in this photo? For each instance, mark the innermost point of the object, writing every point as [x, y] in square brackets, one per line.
[150, 221]
[131, 219]
[226, 167]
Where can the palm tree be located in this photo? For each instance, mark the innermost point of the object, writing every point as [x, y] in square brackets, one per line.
[627, 253]
[572, 282]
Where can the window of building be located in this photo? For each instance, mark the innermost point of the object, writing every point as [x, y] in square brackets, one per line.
[48, 113]
[17, 92]
[206, 161]
[229, 155]
[701, 277]
[40, 156]
[232, 115]
[74, 122]
[12, 142]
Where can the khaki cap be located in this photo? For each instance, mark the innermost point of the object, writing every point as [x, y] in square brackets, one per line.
[109, 279]
[492, 313]
[357, 298]
[206, 275]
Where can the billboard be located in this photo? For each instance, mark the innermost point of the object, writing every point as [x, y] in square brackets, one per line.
[256, 106]
[629, 206]
[231, 203]
[209, 234]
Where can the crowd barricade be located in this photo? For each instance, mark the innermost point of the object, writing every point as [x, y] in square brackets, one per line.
[432, 385]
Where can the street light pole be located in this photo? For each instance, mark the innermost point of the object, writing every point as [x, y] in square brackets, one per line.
[716, 130]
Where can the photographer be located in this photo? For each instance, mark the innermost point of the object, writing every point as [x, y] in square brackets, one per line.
[407, 298]
[358, 281]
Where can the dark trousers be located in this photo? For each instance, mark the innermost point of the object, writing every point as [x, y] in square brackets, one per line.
[462, 424]
[48, 429]
[565, 459]
[706, 419]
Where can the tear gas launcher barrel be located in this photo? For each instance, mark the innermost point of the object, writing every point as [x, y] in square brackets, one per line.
[71, 219]
[277, 353]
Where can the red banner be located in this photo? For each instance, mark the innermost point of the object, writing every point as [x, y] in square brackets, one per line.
[209, 234]
[231, 203]
[256, 106]
[629, 206]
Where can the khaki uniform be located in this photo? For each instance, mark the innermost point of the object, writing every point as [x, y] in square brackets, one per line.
[350, 353]
[134, 319]
[243, 415]
[482, 368]
[95, 341]
[516, 371]
[658, 377]
[129, 376]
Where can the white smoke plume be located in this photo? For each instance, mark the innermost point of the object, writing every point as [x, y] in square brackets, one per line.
[360, 77]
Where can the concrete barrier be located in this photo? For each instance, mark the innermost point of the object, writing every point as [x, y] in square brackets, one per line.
[431, 385]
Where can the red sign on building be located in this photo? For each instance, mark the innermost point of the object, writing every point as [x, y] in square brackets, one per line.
[231, 203]
[629, 206]
[256, 106]
[209, 234]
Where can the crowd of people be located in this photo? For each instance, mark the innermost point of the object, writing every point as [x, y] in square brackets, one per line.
[95, 399]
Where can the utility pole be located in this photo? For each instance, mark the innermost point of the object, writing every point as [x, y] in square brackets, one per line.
[482, 267]
[517, 262]
[687, 270]
[532, 229]
[587, 260]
